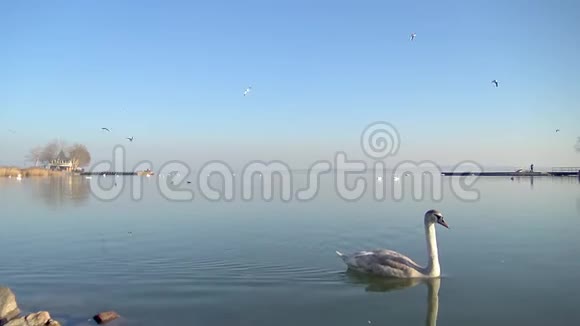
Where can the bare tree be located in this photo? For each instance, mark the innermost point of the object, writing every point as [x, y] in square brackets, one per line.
[46, 153]
[79, 156]
[34, 155]
[50, 151]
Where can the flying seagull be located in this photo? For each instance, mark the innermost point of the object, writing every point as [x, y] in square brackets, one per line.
[248, 90]
[11, 131]
[413, 36]
[130, 139]
[106, 129]
[557, 130]
[495, 82]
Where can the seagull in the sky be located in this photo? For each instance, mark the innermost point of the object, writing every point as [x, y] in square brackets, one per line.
[557, 130]
[413, 36]
[105, 129]
[130, 139]
[248, 90]
[495, 82]
[11, 131]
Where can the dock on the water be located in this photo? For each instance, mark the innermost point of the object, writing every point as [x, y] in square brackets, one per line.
[140, 173]
[556, 172]
[108, 173]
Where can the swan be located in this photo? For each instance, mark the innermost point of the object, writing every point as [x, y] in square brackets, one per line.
[389, 263]
[19, 177]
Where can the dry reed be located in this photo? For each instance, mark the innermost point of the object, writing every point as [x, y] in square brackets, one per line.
[11, 171]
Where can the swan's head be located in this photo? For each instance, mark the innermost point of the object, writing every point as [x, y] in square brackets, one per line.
[435, 216]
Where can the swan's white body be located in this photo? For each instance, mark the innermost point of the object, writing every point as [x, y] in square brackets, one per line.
[19, 177]
[390, 263]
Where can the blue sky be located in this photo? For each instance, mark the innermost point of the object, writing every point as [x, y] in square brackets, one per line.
[172, 74]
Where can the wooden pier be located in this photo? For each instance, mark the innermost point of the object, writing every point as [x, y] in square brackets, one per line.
[108, 173]
[556, 172]
[565, 171]
[139, 173]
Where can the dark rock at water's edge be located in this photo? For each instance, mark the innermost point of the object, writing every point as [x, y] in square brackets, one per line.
[9, 312]
[105, 317]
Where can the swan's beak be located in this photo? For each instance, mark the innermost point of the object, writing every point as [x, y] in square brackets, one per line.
[442, 222]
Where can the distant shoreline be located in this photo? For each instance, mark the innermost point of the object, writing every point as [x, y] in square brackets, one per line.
[14, 172]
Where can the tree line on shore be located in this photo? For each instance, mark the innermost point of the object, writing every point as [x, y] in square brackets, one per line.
[78, 154]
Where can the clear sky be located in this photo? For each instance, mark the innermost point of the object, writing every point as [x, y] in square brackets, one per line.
[172, 74]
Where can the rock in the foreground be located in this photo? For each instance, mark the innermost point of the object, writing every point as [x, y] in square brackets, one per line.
[41, 318]
[9, 311]
[105, 317]
[8, 306]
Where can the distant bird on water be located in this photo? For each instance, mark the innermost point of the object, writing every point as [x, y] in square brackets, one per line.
[495, 82]
[413, 36]
[106, 129]
[130, 139]
[248, 90]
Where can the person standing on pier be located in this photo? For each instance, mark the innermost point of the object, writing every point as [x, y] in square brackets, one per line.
[532, 168]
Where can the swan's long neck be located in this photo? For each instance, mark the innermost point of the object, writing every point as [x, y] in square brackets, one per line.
[433, 268]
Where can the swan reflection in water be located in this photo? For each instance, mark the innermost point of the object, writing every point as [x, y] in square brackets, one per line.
[379, 284]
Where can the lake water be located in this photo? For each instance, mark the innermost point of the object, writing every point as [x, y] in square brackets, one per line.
[510, 258]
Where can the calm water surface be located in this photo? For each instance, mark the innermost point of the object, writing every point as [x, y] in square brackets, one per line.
[510, 258]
